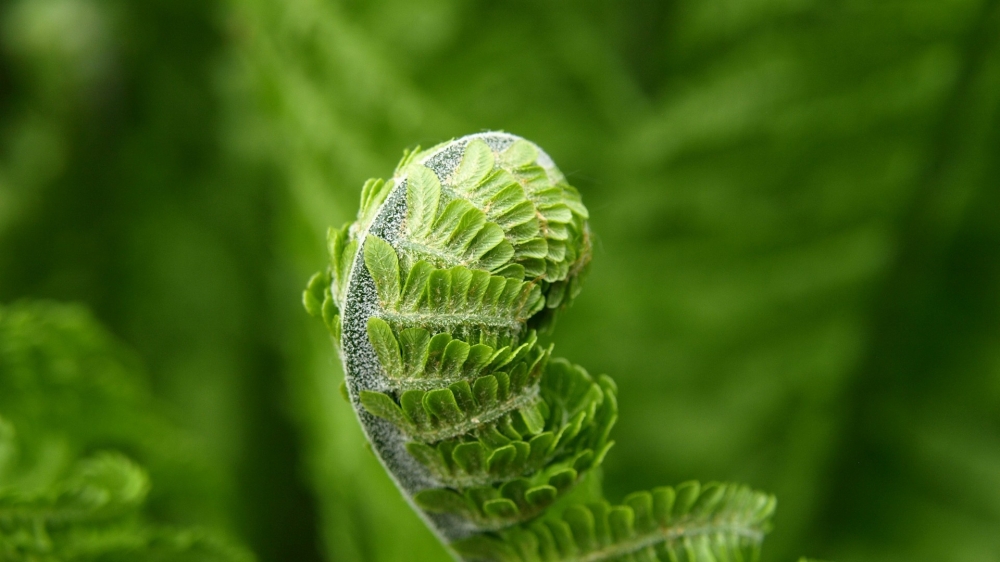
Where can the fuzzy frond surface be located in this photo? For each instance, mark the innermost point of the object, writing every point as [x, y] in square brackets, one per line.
[434, 297]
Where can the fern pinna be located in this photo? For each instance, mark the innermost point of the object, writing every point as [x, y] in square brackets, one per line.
[434, 297]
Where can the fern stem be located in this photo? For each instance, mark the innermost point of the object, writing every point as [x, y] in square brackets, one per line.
[448, 321]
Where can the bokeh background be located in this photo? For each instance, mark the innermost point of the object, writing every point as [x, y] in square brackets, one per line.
[796, 280]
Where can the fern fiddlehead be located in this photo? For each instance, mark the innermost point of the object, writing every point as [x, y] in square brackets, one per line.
[434, 296]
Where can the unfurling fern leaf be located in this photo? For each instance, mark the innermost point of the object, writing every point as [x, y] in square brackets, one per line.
[433, 296]
[689, 523]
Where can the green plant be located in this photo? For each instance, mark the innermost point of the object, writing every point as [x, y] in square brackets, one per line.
[435, 296]
[70, 398]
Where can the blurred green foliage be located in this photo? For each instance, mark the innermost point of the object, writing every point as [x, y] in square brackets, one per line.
[72, 402]
[796, 282]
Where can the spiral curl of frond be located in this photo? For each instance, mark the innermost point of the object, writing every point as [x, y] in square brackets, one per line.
[434, 296]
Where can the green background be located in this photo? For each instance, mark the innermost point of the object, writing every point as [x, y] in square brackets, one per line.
[796, 279]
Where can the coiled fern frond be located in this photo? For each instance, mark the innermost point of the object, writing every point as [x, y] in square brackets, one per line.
[433, 297]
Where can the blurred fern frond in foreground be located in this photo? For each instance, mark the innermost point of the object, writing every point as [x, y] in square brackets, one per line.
[67, 391]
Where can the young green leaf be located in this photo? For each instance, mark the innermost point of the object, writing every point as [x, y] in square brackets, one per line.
[383, 264]
[477, 162]
[386, 347]
[423, 192]
[380, 405]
